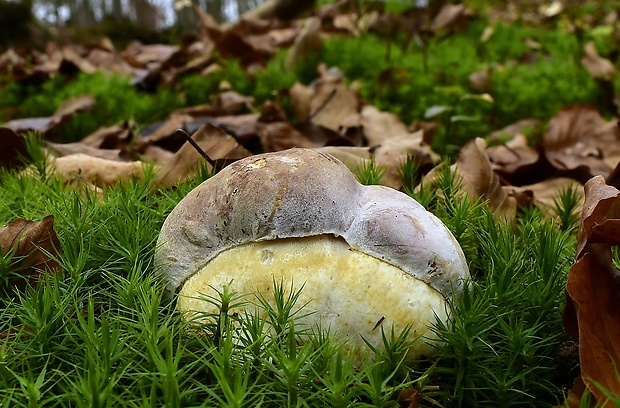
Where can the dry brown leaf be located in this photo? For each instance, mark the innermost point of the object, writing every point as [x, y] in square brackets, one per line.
[546, 192]
[597, 66]
[231, 102]
[13, 146]
[100, 172]
[515, 152]
[307, 43]
[111, 137]
[346, 23]
[379, 126]
[278, 136]
[213, 141]
[579, 136]
[479, 180]
[352, 156]
[301, 99]
[592, 312]
[475, 172]
[67, 149]
[342, 104]
[450, 16]
[65, 111]
[32, 246]
[394, 151]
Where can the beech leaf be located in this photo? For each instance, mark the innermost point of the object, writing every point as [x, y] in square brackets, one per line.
[592, 312]
[30, 245]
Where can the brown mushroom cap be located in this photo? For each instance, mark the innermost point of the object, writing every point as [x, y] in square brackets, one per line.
[301, 193]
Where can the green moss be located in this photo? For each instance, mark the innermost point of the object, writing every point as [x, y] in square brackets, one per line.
[115, 100]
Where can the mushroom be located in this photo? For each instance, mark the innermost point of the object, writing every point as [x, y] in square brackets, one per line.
[366, 255]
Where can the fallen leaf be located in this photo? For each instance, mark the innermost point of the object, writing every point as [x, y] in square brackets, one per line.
[13, 148]
[278, 136]
[380, 126]
[595, 295]
[99, 171]
[592, 313]
[394, 151]
[301, 100]
[475, 172]
[116, 136]
[597, 66]
[579, 136]
[333, 110]
[352, 156]
[450, 16]
[66, 149]
[65, 111]
[32, 246]
[544, 193]
[307, 43]
[218, 145]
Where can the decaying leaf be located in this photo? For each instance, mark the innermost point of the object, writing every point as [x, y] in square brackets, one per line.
[281, 135]
[380, 126]
[592, 313]
[473, 168]
[64, 112]
[579, 136]
[101, 172]
[13, 147]
[307, 43]
[450, 16]
[213, 141]
[334, 102]
[597, 66]
[301, 99]
[394, 151]
[31, 245]
[545, 193]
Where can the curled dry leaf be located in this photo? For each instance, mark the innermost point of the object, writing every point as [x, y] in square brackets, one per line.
[475, 172]
[30, 245]
[592, 313]
[479, 180]
[578, 136]
[307, 43]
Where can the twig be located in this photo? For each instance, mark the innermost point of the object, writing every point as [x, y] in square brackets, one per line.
[323, 104]
[195, 146]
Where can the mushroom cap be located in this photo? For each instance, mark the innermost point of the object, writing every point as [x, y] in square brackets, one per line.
[302, 193]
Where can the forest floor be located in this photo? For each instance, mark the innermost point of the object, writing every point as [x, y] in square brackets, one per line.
[499, 119]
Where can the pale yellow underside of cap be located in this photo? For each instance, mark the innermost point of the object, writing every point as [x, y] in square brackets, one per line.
[353, 294]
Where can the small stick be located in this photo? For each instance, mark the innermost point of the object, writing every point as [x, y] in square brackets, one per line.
[195, 146]
[323, 104]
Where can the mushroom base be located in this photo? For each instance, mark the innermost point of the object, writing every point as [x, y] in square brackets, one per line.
[354, 294]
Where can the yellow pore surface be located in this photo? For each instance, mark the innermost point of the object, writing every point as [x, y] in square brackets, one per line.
[352, 293]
